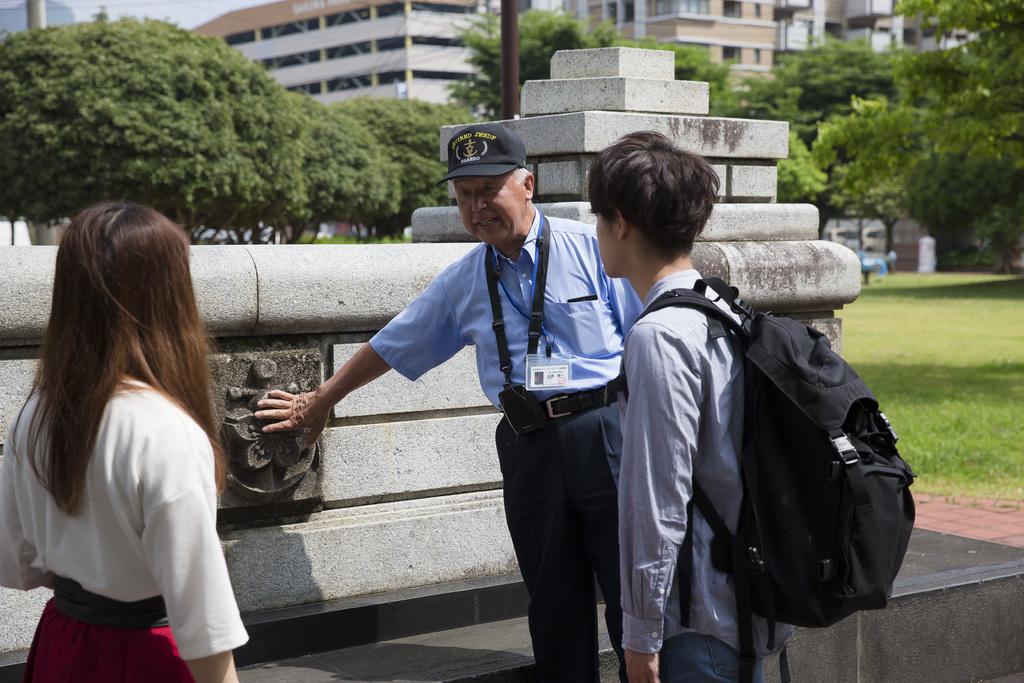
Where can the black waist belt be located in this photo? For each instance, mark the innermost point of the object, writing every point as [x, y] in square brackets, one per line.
[569, 404]
[74, 601]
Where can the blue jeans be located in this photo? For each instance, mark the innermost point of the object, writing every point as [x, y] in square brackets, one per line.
[697, 658]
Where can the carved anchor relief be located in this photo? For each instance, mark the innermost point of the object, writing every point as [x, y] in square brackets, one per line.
[265, 467]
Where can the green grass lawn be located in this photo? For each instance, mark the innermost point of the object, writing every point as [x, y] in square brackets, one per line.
[944, 354]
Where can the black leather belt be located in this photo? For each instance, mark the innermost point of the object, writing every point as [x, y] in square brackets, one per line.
[76, 602]
[568, 404]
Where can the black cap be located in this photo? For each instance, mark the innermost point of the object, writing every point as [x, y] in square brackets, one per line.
[485, 149]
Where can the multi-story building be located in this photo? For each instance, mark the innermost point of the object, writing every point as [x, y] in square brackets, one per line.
[748, 33]
[739, 31]
[870, 20]
[337, 49]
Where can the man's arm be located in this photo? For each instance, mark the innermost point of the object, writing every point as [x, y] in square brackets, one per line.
[419, 338]
[311, 410]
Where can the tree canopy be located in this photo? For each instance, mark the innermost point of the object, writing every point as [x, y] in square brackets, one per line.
[186, 124]
[952, 137]
[149, 112]
[347, 172]
[406, 135]
[815, 84]
[974, 92]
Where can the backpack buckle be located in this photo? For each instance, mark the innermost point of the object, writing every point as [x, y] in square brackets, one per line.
[888, 425]
[756, 563]
[847, 453]
[743, 308]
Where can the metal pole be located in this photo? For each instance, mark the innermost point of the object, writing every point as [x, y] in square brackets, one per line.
[36, 10]
[509, 59]
[36, 13]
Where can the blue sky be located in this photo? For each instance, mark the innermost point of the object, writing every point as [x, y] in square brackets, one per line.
[186, 13]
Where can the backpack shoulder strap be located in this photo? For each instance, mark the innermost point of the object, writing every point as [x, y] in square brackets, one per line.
[688, 298]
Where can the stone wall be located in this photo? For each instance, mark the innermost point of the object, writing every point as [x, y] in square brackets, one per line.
[404, 487]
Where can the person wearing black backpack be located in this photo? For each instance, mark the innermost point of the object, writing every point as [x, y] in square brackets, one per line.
[682, 419]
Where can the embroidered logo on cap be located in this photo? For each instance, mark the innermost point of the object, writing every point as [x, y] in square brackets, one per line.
[471, 146]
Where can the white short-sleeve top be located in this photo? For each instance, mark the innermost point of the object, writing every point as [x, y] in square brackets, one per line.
[147, 525]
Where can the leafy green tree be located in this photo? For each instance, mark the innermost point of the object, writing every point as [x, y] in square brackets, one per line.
[972, 94]
[966, 199]
[148, 112]
[349, 173]
[869, 154]
[541, 34]
[884, 199]
[800, 179]
[953, 138]
[812, 85]
[807, 88]
[406, 133]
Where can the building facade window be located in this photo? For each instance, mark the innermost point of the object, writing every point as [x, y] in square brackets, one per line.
[290, 28]
[757, 11]
[342, 51]
[388, 44]
[347, 17]
[757, 55]
[441, 7]
[695, 6]
[240, 38]
[439, 75]
[436, 40]
[348, 83]
[733, 9]
[390, 77]
[730, 53]
[390, 10]
[315, 88]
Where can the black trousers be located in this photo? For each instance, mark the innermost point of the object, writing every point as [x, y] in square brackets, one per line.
[562, 512]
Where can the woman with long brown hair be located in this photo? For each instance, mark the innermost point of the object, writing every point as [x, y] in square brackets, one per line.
[111, 468]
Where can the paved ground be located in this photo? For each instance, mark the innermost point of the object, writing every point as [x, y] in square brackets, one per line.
[983, 519]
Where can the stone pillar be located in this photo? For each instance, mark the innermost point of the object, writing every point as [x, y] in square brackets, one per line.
[769, 251]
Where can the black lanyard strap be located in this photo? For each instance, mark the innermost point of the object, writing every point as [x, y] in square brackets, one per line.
[536, 313]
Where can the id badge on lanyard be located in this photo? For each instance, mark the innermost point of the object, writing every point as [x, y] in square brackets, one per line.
[548, 371]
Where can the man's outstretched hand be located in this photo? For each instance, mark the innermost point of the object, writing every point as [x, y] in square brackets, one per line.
[308, 411]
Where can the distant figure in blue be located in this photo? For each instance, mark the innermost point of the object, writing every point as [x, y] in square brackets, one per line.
[875, 264]
[547, 323]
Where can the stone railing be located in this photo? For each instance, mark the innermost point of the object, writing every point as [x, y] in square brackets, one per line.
[403, 488]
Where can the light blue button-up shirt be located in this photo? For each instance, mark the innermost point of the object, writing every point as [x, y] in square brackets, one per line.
[455, 311]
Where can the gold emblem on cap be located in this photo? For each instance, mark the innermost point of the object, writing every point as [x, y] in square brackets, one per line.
[470, 150]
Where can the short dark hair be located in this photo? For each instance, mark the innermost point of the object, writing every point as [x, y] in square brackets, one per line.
[666, 192]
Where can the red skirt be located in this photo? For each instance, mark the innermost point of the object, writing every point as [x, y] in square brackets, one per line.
[65, 650]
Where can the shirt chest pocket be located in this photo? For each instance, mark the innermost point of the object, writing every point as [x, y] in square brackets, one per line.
[583, 328]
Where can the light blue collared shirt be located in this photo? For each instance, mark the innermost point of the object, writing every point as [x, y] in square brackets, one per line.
[455, 311]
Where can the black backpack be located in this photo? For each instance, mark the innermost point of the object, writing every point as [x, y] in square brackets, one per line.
[827, 512]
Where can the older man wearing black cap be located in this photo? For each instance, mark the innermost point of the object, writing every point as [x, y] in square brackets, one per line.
[548, 324]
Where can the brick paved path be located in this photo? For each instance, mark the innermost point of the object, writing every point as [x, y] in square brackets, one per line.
[996, 521]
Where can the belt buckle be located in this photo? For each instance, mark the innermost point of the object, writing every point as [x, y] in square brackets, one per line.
[551, 413]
